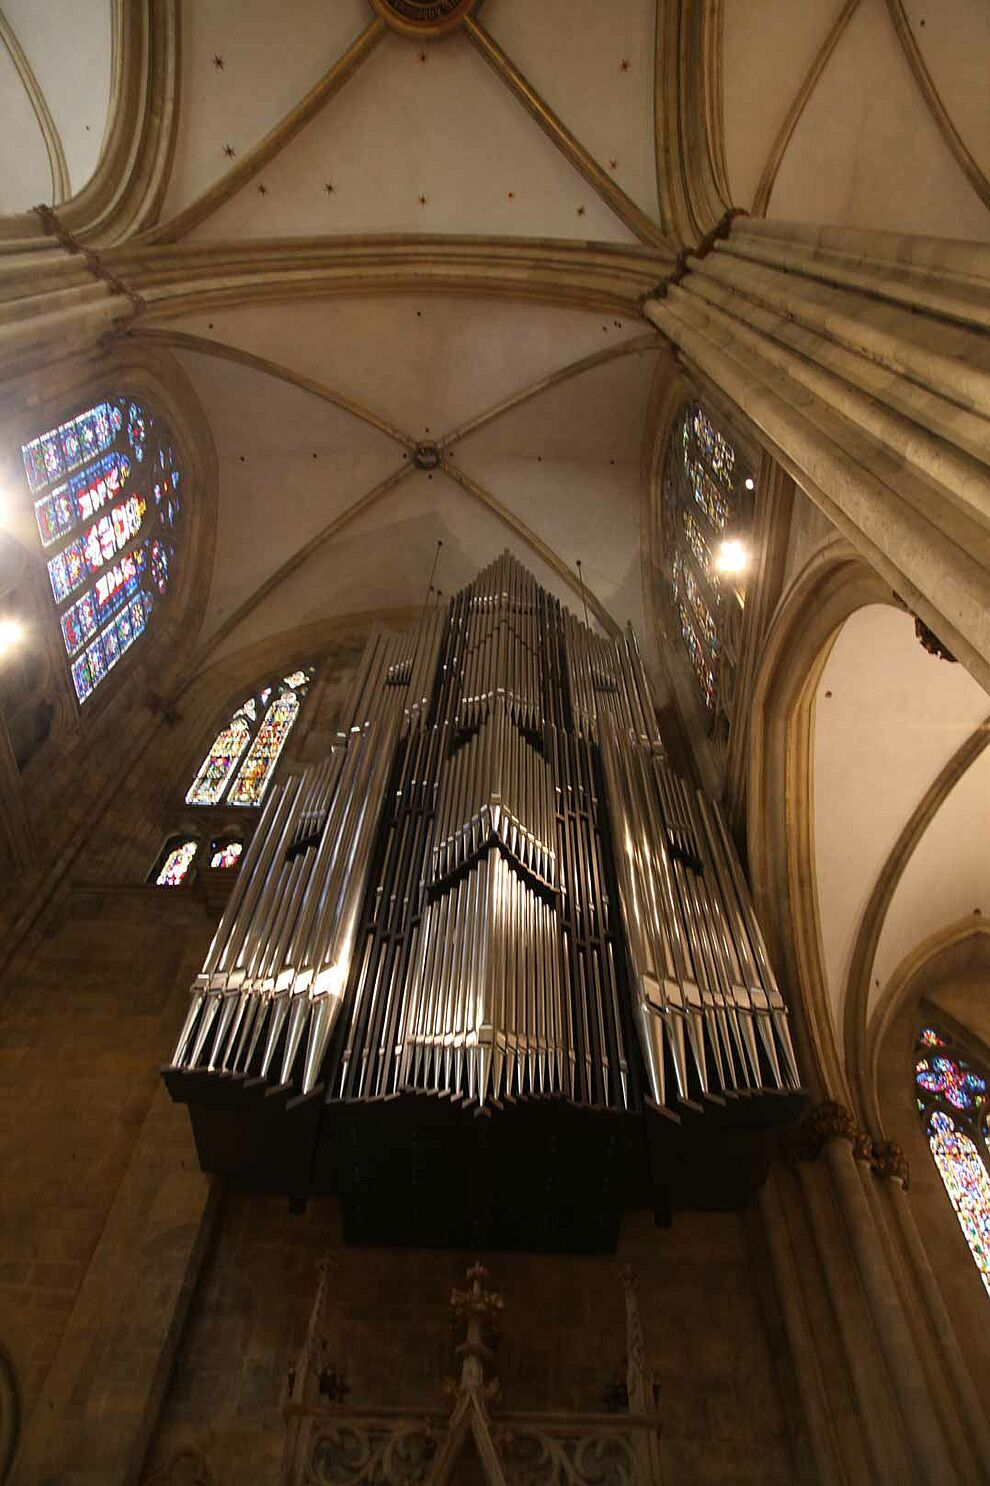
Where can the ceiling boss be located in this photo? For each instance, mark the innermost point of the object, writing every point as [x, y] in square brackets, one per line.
[423, 17]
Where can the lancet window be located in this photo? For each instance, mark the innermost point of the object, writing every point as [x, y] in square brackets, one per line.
[952, 1101]
[106, 491]
[175, 863]
[707, 500]
[242, 757]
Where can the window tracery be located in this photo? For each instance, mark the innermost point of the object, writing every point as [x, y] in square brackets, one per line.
[706, 502]
[234, 774]
[242, 757]
[953, 1105]
[105, 486]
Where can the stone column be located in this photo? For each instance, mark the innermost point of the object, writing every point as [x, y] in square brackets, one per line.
[863, 359]
[916, 1415]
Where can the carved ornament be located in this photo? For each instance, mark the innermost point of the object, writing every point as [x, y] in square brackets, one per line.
[832, 1121]
[423, 17]
[890, 1161]
[332, 1445]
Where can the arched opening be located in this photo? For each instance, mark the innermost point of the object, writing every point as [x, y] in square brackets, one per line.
[175, 862]
[946, 988]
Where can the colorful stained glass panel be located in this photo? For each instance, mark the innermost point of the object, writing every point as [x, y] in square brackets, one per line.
[227, 855]
[54, 514]
[699, 658]
[258, 767]
[940, 1075]
[967, 1183]
[175, 867]
[719, 453]
[116, 637]
[219, 763]
[711, 499]
[89, 462]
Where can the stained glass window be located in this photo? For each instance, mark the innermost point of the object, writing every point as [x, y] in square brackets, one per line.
[706, 497]
[952, 1101]
[226, 854]
[175, 866]
[220, 762]
[257, 768]
[242, 758]
[106, 488]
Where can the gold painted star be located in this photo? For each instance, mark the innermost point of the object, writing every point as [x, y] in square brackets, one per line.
[330, 188]
[262, 189]
[218, 61]
[229, 151]
[423, 56]
[512, 195]
[580, 211]
[613, 165]
[422, 200]
[625, 64]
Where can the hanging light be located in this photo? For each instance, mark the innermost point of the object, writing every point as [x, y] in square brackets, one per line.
[732, 556]
[749, 482]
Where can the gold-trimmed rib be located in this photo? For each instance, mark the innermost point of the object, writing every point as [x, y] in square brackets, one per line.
[274, 141]
[182, 340]
[306, 551]
[537, 544]
[629, 214]
[936, 107]
[57, 163]
[768, 178]
[552, 379]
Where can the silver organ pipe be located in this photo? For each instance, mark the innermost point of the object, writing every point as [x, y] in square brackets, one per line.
[494, 889]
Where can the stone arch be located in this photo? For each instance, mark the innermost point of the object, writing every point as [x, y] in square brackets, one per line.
[950, 969]
[780, 816]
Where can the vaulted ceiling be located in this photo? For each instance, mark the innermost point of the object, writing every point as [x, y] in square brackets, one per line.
[535, 125]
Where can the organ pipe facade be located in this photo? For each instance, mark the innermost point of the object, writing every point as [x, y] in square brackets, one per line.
[494, 888]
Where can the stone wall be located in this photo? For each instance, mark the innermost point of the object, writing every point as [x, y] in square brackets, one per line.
[85, 1022]
[562, 1338]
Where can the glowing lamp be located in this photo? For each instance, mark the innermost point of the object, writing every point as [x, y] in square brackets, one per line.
[11, 635]
[732, 556]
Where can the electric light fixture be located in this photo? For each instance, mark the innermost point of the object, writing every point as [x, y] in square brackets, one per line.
[732, 556]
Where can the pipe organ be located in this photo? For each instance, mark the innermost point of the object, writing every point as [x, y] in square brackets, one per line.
[493, 892]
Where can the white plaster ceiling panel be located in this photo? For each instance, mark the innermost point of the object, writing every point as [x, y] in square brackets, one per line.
[954, 40]
[383, 560]
[594, 65]
[271, 54]
[946, 879]
[888, 717]
[289, 463]
[596, 416]
[414, 146]
[867, 152]
[427, 363]
[586, 513]
[768, 47]
[68, 47]
[25, 176]
[567, 463]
